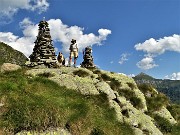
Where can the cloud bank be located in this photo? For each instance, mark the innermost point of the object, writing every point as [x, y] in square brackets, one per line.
[174, 76]
[60, 33]
[153, 48]
[8, 8]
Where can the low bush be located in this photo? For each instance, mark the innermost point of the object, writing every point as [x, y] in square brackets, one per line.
[156, 103]
[81, 73]
[144, 88]
[174, 109]
[114, 84]
[45, 74]
[136, 102]
[131, 85]
[163, 124]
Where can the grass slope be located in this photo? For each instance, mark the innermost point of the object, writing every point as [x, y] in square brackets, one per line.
[10, 55]
[37, 104]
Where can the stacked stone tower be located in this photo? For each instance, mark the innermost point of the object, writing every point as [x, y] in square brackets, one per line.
[43, 53]
[88, 59]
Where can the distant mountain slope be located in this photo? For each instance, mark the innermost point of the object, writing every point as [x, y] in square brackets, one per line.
[10, 55]
[144, 76]
[169, 87]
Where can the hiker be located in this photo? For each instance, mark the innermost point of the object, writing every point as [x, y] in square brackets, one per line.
[73, 52]
[61, 59]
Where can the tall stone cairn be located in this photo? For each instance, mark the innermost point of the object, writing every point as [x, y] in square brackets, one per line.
[43, 53]
[88, 59]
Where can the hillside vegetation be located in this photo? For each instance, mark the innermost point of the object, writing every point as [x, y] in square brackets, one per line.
[169, 87]
[77, 101]
[10, 55]
[38, 104]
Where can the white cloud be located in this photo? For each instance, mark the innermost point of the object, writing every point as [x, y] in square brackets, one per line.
[63, 33]
[146, 63]
[8, 8]
[60, 32]
[122, 74]
[124, 58]
[174, 76]
[23, 44]
[157, 47]
[131, 75]
[153, 48]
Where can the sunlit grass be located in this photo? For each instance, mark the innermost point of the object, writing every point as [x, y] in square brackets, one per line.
[36, 104]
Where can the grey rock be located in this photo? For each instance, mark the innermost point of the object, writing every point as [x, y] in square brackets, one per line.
[7, 67]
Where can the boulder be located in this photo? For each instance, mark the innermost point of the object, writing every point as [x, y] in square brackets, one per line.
[7, 67]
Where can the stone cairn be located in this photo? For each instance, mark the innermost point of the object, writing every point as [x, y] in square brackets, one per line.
[88, 59]
[43, 53]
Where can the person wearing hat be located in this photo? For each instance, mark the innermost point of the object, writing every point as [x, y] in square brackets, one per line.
[73, 52]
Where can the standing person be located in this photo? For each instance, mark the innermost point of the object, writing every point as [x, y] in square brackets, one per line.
[73, 52]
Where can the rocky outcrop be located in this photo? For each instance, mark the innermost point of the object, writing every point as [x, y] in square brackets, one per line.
[163, 112]
[123, 94]
[10, 55]
[59, 131]
[7, 67]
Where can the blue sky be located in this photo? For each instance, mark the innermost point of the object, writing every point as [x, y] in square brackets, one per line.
[127, 36]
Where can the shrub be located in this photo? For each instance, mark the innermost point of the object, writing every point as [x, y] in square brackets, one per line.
[96, 71]
[144, 88]
[97, 131]
[163, 124]
[105, 77]
[136, 102]
[176, 129]
[131, 85]
[81, 73]
[126, 93]
[156, 103]
[174, 109]
[114, 84]
[45, 74]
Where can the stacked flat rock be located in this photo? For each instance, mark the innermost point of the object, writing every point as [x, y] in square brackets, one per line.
[88, 59]
[43, 53]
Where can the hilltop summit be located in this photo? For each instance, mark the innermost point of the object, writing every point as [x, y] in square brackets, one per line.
[144, 76]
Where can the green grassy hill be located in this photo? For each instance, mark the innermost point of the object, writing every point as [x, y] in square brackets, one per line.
[31, 100]
[78, 101]
[10, 55]
[38, 104]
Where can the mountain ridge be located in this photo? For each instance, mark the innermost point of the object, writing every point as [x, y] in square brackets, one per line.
[169, 87]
